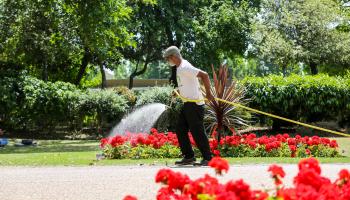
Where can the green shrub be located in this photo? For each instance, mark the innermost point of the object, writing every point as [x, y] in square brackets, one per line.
[155, 95]
[118, 152]
[128, 94]
[108, 107]
[302, 98]
[167, 121]
[32, 105]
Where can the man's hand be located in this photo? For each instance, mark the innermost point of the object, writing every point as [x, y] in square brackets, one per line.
[173, 93]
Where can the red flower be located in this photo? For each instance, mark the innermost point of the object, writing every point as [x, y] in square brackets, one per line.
[309, 184]
[252, 144]
[175, 180]
[287, 194]
[240, 188]
[103, 142]
[277, 173]
[219, 165]
[226, 196]
[205, 185]
[344, 177]
[308, 152]
[311, 178]
[344, 174]
[129, 197]
[216, 153]
[166, 193]
[333, 144]
[117, 140]
[305, 192]
[163, 176]
[259, 195]
[154, 131]
[293, 148]
[291, 141]
[310, 163]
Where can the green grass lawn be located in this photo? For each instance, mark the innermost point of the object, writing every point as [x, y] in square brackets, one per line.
[82, 152]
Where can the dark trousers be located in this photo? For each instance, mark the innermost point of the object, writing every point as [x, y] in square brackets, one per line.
[191, 118]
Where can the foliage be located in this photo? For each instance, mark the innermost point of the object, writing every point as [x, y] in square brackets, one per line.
[286, 33]
[128, 94]
[220, 114]
[155, 95]
[92, 79]
[210, 26]
[105, 106]
[302, 98]
[34, 105]
[56, 40]
[220, 31]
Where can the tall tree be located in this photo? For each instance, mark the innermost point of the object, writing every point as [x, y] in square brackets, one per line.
[100, 27]
[270, 41]
[300, 31]
[33, 35]
[205, 30]
[221, 31]
[156, 26]
[63, 36]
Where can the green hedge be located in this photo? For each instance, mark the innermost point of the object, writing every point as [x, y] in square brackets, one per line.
[304, 98]
[32, 105]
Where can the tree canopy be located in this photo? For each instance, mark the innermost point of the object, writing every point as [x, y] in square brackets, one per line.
[66, 40]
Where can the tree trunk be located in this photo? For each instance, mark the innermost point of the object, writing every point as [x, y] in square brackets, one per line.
[313, 67]
[45, 74]
[84, 64]
[284, 71]
[168, 31]
[103, 73]
[137, 73]
[131, 78]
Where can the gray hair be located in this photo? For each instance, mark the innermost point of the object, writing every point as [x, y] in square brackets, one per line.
[172, 50]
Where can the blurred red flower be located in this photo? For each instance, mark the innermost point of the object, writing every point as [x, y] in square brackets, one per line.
[220, 165]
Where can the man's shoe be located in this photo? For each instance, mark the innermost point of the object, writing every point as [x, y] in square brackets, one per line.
[202, 163]
[186, 161]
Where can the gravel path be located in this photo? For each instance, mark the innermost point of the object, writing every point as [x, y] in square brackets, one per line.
[114, 182]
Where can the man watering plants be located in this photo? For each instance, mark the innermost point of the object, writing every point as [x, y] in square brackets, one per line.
[192, 113]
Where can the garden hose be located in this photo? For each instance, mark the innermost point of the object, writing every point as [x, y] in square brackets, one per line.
[184, 99]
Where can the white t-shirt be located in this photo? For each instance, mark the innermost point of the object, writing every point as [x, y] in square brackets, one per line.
[188, 82]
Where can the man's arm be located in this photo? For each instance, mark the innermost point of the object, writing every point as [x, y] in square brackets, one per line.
[205, 79]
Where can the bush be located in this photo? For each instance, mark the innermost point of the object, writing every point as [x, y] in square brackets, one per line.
[32, 105]
[107, 107]
[167, 121]
[128, 94]
[302, 98]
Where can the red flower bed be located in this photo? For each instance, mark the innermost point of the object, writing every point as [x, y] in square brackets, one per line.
[309, 184]
[154, 139]
[248, 145]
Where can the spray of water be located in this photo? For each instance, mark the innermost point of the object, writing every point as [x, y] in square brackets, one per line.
[139, 121]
